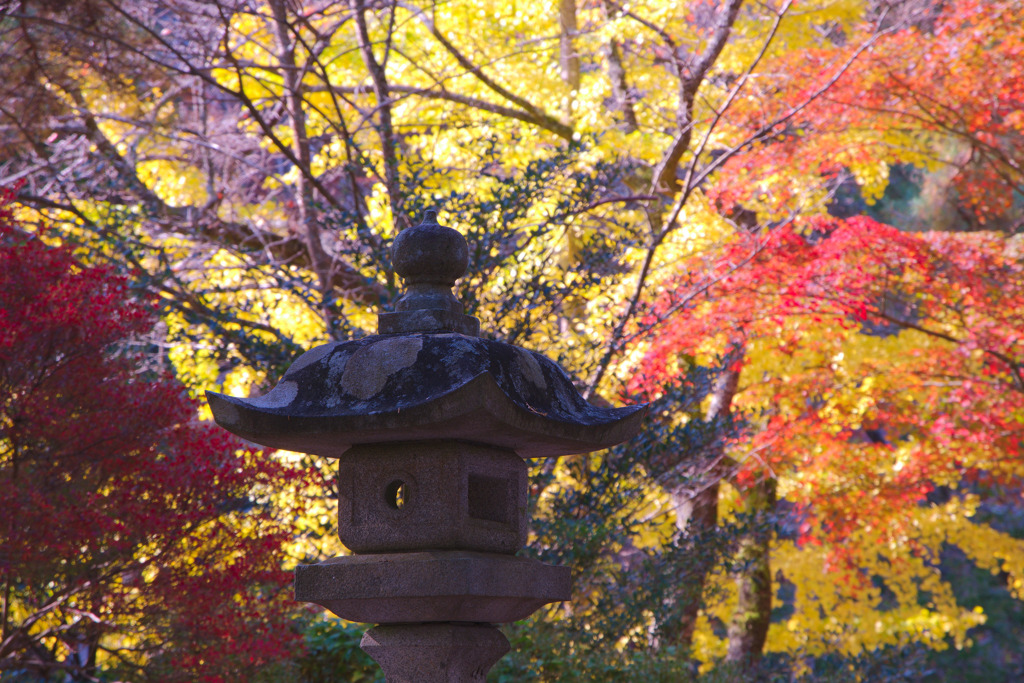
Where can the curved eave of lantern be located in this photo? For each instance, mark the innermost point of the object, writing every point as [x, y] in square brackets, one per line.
[425, 386]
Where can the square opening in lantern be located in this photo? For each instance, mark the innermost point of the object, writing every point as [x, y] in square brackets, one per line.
[489, 498]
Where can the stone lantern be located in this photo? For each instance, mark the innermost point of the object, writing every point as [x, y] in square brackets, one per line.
[430, 425]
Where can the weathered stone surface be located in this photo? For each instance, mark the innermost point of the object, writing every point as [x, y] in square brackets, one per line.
[425, 386]
[429, 253]
[427, 320]
[431, 495]
[435, 653]
[430, 258]
[446, 586]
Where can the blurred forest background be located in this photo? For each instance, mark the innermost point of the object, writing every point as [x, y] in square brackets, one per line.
[794, 226]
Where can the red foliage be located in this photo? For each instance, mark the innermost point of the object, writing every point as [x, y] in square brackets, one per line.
[948, 91]
[121, 532]
[951, 399]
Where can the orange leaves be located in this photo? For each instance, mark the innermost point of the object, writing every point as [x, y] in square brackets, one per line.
[944, 94]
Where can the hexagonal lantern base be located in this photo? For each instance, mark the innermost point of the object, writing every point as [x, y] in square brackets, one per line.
[431, 495]
[440, 586]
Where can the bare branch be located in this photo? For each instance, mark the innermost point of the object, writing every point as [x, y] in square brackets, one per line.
[665, 172]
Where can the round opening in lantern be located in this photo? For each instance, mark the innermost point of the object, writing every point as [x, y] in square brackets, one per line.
[396, 494]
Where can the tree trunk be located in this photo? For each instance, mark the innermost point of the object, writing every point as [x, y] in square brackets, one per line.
[696, 505]
[389, 142]
[567, 57]
[10, 550]
[748, 627]
[696, 517]
[617, 78]
[293, 96]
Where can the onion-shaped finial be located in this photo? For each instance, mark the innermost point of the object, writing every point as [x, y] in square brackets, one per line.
[429, 258]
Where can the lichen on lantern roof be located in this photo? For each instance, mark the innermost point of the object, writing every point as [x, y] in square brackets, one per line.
[425, 386]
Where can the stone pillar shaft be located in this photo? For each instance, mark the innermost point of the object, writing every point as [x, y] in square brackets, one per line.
[435, 653]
